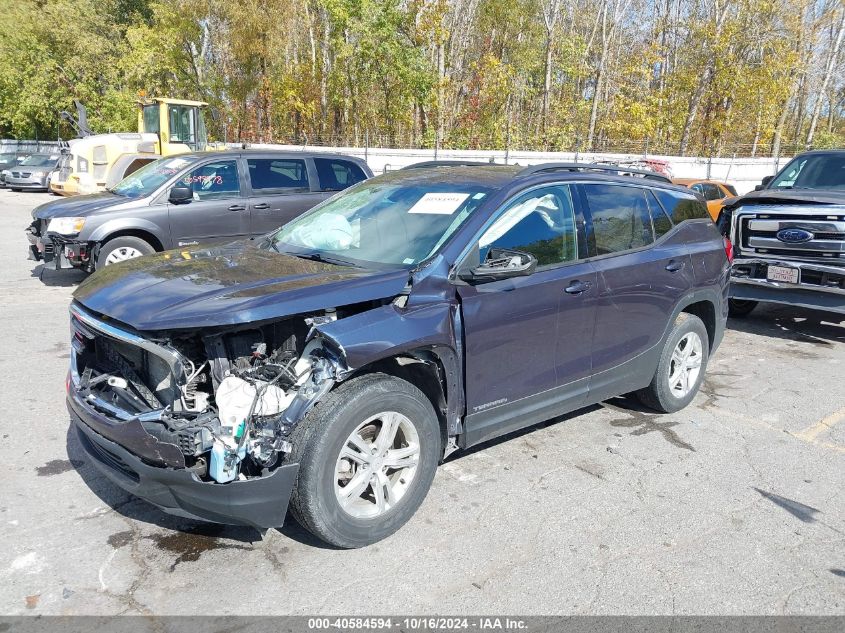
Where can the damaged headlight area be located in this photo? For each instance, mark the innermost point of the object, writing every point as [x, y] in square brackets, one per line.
[228, 400]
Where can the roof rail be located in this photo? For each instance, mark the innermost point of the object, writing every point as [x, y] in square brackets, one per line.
[615, 169]
[448, 163]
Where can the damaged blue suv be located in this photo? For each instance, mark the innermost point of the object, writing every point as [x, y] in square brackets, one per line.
[332, 364]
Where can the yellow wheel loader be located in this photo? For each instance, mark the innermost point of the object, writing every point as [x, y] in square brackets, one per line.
[94, 162]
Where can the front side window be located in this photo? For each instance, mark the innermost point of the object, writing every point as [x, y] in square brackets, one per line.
[336, 174]
[182, 124]
[541, 222]
[214, 181]
[151, 120]
[279, 174]
[621, 219]
[711, 191]
[383, 222]
[150, 177]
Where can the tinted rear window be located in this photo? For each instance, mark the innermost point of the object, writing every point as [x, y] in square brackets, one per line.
[680, 206]
[336, 174]
[621, 220]
[662, 223]
[275, 173]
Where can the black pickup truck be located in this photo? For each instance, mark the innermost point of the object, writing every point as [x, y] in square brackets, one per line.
[788, 237]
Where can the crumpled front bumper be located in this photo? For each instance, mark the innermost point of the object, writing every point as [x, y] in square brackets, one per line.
[58, 252]
[260, 502]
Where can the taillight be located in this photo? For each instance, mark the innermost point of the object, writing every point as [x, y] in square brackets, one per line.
[729, 250]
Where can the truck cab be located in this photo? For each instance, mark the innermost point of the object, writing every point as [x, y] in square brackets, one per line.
[178, 124]
[165, 127]
[788, 237]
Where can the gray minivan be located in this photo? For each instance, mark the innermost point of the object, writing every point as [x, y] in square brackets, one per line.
[187, 200]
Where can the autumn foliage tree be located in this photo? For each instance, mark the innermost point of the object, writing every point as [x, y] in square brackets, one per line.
[712, 77]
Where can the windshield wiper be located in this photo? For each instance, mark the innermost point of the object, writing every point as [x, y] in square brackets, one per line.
[319, 257]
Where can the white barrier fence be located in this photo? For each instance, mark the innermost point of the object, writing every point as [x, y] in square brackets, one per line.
[742, 173]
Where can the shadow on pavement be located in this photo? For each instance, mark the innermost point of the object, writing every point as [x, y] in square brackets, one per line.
[190, 536]
[59, 278]
[794, 324]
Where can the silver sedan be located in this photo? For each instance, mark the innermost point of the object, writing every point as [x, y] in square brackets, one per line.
[32, 174]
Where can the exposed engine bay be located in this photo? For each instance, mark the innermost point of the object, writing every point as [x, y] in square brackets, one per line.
[228, 400]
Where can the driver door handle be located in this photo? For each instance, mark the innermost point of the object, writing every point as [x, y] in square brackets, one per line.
[237, 207]
[261, 205]
[674, 266]
[578, 287]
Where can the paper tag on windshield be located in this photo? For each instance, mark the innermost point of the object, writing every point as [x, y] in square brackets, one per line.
[439, 203]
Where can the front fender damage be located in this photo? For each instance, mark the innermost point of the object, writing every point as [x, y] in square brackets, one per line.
[430, 333]
[241, 391]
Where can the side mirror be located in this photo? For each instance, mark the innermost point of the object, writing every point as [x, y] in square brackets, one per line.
[766, 180]
[501, 264]
[180, 194]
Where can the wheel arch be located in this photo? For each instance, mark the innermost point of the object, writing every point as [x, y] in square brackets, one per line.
[706, 311]
[140, 233]
[423, 369]
[429, 335]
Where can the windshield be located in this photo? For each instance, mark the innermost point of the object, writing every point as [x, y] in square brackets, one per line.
[382, 223]
[40, 160]
[150, 177]
[816, 171]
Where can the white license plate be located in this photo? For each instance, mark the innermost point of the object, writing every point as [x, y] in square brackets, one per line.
[782, 273]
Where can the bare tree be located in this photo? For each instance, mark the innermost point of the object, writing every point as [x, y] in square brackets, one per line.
[551, 13]
[719, 12]
[832, 57]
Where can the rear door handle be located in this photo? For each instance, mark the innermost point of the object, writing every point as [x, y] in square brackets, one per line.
[261, 205]
[237, 207]
[674, 266]
[578, 287]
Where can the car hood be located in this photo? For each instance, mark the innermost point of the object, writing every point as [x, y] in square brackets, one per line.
[789, 196]
[227, 285]
[77, 206]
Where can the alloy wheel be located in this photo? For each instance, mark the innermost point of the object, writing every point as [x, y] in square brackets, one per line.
[685, 365]
[376, 465]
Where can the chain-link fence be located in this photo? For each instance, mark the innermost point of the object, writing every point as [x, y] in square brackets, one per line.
[15, 146]
[506, 142]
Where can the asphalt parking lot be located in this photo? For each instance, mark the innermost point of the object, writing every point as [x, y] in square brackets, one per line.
[735, 505]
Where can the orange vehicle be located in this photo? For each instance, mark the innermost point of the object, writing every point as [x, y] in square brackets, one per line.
[715, 192]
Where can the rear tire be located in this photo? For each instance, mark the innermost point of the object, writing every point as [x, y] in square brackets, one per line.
[350, 422]
[121, 249]
[740, 308]
[682, 365]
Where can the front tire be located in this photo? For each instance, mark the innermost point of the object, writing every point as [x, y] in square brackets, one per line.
[682, 365]
[121, 249]
[367, 456]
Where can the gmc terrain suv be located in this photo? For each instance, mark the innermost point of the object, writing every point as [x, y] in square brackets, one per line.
[789, 237]
[334, 363]
[187, 200]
